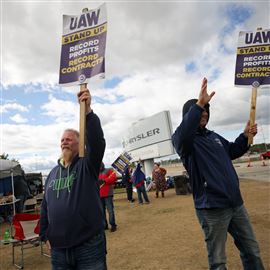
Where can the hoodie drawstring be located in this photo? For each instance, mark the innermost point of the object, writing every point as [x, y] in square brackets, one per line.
[68, 181]
[59, 183]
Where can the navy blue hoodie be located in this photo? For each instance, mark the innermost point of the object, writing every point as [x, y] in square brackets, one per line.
[71, 211]
[138, 176]
[207, 158]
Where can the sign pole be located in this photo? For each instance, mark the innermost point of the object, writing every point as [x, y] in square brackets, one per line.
[82, 122]
[252, 115]
[82, 116]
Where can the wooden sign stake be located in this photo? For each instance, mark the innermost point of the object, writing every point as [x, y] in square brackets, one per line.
[82, 123]
[82, 117]
[252, 113]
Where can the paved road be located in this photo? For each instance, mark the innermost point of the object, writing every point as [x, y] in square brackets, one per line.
[258, 170]
[255, 172]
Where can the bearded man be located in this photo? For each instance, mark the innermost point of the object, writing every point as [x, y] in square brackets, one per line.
[72, 221]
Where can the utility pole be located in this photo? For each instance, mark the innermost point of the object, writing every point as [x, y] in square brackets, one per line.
[264, 139]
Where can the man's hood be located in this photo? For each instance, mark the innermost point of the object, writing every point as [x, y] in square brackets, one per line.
[190, 103]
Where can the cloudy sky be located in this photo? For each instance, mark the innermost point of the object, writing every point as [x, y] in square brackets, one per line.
[156, 56]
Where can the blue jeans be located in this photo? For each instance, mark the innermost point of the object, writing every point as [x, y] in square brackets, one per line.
[216, 223]
[108, 203]
[141, 191]
[91, 255]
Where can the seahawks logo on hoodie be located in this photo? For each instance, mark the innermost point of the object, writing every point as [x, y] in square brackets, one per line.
[217, 140]
[62, 183]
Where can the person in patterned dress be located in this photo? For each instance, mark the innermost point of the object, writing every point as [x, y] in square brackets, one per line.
[158, 176]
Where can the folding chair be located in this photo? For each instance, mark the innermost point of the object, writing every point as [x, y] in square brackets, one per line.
[39, 197]
[26, 232]
[30, 205]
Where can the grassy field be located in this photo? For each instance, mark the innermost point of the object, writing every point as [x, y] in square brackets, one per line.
[165, 234]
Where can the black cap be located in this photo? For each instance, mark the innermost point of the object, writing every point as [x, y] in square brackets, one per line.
[191, 102]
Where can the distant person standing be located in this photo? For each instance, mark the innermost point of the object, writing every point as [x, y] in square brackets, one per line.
[138, 179]
[127, 180]
[107, 179]
[158, 176]
[21, 191]
[219, 205]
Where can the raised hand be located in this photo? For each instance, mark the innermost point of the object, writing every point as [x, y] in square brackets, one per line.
[204, 97]
[85, 96]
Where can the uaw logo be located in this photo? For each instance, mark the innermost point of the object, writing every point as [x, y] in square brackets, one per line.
[82, 78]
[255, 84]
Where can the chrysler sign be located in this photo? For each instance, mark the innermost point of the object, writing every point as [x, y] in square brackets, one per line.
[149, 133]
[141, 136]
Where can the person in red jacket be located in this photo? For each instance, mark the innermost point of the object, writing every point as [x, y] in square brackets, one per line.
[107, 179]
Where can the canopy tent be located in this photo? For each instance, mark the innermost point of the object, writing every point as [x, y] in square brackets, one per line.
[8, 170]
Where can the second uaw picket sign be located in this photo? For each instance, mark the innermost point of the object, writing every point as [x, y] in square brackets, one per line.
[253, 65]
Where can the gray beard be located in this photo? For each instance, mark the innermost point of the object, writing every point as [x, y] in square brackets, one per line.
[67, 156]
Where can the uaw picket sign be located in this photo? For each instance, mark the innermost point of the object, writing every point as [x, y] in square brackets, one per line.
[253, 65]
[253, 58]
[83, 54]
[121, 162]
[83, 46]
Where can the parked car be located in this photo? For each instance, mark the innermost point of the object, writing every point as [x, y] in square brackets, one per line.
[266, 155]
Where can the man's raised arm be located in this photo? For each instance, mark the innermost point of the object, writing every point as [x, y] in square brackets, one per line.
[95, 142]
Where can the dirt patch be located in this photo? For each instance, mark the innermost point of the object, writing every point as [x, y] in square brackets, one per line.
[165, 234]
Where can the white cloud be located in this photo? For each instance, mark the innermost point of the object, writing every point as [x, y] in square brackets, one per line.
[27, 142]
[60, 110]
[41, 162]
[18, 119]
[37, 87]
[13, 107]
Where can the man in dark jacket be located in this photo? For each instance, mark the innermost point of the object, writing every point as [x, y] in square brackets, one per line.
[219, 206]
[21, 191]
[127, 181]
[72, 222]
